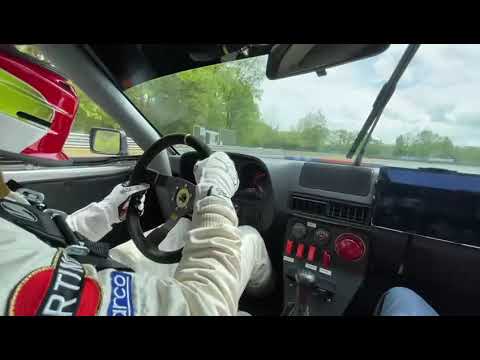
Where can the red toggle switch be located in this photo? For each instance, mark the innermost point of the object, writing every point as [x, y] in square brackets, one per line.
[312, 251]
[326, 259]
[300, 251]
[289, 247]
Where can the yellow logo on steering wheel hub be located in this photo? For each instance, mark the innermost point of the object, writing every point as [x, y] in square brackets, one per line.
[183, 197]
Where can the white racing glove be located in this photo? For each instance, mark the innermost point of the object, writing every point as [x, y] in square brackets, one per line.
[95, 220]
[118, 200]
[216, 176]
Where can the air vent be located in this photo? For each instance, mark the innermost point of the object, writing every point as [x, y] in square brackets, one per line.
[348, 212]
[332, 209]
[307, 205]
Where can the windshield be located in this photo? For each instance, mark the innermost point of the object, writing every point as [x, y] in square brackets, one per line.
[431, 120]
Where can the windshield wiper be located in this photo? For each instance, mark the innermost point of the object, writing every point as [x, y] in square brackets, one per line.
[380, 103]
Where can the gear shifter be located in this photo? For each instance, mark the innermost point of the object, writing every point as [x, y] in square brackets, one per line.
[305, 281]
[309, 285]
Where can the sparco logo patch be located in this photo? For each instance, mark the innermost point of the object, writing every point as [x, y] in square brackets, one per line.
[121, 297]
[59, 290]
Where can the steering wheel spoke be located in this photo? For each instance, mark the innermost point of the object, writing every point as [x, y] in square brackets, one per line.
[160, 233]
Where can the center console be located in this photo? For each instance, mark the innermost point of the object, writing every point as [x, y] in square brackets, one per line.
[333, 257]
[326, 245]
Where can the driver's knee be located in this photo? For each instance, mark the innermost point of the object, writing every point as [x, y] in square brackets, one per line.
[257, 272]
[250, 232]
[252, 243]
[243, 313]
[401, 301]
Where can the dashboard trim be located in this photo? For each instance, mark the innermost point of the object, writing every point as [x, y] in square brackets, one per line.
[424, 236]
[331, 221]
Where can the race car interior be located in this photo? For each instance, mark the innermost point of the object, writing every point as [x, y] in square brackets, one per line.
[339, 235]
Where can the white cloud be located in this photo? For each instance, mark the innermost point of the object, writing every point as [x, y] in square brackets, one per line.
[439, 91]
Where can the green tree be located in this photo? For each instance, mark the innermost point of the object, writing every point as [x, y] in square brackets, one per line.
[89, 114]
[313, 130]
[401, 147]
[251, 71]
[216, 97]
[340, 140]
[425, 144]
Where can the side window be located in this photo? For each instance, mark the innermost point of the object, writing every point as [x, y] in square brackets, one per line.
[89, 115]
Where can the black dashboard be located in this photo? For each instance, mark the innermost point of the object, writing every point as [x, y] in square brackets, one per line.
[335, 221]
[254, 199]
[429, 202]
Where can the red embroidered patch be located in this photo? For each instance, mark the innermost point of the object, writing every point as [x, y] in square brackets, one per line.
[90, 298]
[33, 291]
[29, 294]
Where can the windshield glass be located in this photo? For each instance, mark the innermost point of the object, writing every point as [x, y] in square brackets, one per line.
[429, 122]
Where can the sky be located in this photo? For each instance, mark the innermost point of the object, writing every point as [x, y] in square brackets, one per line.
[439, 91]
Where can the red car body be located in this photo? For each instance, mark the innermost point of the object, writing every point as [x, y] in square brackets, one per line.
[57, 92]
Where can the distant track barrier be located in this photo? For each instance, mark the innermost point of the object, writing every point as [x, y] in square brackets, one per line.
[82, 141]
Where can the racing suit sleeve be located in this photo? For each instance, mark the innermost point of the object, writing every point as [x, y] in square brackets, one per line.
[209, 271]
[207, 280]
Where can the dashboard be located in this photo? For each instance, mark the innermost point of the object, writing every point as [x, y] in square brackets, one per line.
[254, 199]
[429, 202]
[254, 180]
[336, 220]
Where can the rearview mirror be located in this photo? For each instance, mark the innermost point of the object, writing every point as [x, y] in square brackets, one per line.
[108, 141]
[294, 59]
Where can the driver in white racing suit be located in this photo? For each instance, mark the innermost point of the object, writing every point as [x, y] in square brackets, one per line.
[220, 260]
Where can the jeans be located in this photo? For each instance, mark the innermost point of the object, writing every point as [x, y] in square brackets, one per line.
[400, 301]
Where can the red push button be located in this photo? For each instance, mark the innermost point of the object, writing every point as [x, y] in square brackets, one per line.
[289, 247]
[350, 247]
[300, 251]
[312, 251]
[326, 259]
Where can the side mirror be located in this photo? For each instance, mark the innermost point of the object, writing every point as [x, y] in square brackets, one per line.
[108, 141]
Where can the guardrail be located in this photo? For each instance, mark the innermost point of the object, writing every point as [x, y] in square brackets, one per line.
[271, 153]
[77, 140]
[82, 141]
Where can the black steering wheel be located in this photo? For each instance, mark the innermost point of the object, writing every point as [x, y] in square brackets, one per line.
[175, 197]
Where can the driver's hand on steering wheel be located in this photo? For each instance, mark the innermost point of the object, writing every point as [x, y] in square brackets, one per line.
[216, 175]
[118, 200]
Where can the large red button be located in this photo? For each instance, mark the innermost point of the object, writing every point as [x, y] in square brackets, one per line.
[312, 251]
[300, 251]
[350, 247]
[289, 247]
